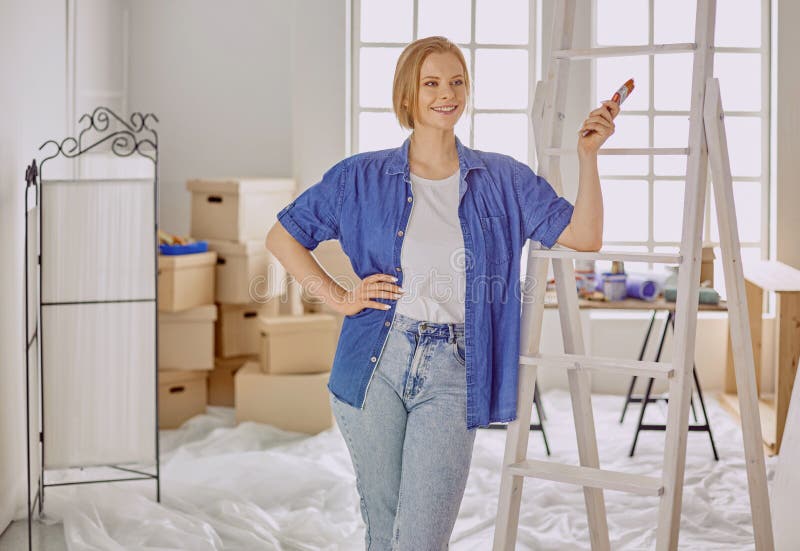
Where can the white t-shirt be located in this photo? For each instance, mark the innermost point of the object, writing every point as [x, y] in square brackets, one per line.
[432, 254]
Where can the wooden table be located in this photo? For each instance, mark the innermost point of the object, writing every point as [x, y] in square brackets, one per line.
[550, 301]
[784, 281]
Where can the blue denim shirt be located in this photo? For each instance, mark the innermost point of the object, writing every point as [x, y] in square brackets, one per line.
[365, 200]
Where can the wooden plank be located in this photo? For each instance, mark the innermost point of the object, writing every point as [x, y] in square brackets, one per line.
[620, 366]
[558, 152]
[741, 343]
[669, 515]
[788, 318]
[625, 51]
[561, 252]
[586, 476]
[772, 275]
[755, 301]
[730, 402]
[580, 392]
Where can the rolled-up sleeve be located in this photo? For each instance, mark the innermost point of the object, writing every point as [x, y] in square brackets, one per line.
[315, 214]
[544, 213]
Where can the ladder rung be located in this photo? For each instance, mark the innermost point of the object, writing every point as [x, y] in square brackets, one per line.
[589, 476]
[655, 258]
[553, 151]
[624, 51]
[656, 370]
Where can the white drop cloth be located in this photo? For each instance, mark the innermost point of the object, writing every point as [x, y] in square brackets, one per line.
[254, 487]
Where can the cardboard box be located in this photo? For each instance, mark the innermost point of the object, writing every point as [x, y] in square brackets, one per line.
[220, 380]
[237, 209]
[297, 403]
[186, 339]
[322, 308]
[237, 328]
[181, 396]
[332, 257]
[246, 272]
[185, 281]
[297, 344]
[707, 265]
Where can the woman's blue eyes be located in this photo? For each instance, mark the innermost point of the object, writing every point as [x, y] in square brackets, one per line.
[456, 82]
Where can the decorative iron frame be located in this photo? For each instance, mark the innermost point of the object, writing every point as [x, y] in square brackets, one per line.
[133, 136]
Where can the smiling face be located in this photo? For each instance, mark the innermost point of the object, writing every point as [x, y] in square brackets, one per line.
[442, 94]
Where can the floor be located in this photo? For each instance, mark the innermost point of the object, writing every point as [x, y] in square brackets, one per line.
[255, 487]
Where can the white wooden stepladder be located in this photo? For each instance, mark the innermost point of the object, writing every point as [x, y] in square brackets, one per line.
[707, 145]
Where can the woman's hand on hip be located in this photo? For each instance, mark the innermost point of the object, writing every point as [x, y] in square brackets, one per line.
[371, 287]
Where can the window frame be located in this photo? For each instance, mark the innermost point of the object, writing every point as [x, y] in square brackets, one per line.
[355, 43]
[763, 244]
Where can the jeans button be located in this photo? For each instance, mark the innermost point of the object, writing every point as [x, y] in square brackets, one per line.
[409, 199]
[398, 269]
[387, 324]
[400, 233]
[373, 359]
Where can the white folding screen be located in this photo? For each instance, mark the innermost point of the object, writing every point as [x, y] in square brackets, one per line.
[32, 338]
[98, 327]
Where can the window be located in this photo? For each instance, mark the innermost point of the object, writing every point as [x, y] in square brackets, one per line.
[656, 115]
[498, 47]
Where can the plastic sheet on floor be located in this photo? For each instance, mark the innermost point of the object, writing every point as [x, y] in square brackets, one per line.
[253, 487]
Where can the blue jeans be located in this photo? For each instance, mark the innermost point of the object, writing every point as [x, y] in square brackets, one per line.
[410, 446]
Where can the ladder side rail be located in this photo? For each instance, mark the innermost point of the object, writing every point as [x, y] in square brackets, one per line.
[549, 136]
[544, 118]
[581, 399]
[686, 307]
[518, 431]
[742, 346]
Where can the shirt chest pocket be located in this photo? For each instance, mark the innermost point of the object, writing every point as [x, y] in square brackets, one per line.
[497, 239]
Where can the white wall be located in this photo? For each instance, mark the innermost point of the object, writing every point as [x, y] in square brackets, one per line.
[61, 59]
[318, 87]
[32, 109]
[218, 76]
[98, 57]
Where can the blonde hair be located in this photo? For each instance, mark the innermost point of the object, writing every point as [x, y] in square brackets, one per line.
[406, 75]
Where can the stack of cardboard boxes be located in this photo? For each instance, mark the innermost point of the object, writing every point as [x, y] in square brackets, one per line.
[233, 216]
[186, 315]
[272, 367]
[227, 337]
[331, 256]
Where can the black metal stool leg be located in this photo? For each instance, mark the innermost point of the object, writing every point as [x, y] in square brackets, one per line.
[628, 398]
[641, 357]
[539, 405]
[540, 426]
[705, 413]
[646, 399]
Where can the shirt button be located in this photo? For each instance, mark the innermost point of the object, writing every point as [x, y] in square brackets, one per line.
[387, 324]
[400, 233]
[398, 269]
[373, 359]
[409, 199]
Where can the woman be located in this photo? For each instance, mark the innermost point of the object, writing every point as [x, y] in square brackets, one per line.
[429, 346]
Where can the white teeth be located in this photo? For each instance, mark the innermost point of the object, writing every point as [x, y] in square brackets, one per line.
[444, 109]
